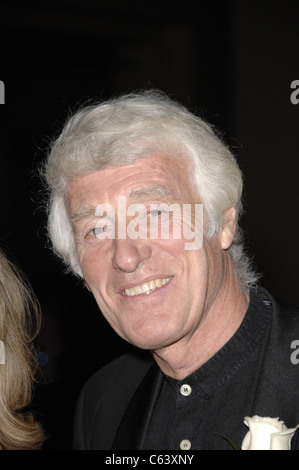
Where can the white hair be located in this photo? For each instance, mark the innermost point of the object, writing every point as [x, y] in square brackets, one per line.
[126, 129]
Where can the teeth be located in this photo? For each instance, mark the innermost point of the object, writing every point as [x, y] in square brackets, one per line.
[147, 287]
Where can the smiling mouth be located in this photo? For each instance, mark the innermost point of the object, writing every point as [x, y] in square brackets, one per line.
[147, 287]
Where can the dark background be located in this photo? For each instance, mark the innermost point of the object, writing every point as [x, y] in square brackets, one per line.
[233, 62]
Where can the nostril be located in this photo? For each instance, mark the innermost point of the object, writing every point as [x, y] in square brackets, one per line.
[128, 254]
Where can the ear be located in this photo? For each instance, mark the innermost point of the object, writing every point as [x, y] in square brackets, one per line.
[229, 228]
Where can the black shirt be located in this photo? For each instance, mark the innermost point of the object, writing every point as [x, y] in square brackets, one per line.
[211, 403]
[129, 404]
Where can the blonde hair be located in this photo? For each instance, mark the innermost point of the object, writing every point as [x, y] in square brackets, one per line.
[19, 326]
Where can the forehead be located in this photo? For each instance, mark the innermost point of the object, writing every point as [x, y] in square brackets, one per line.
[159, 174]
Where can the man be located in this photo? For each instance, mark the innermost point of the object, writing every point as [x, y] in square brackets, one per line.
[215, 347]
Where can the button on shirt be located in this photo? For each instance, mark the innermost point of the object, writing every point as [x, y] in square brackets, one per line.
[196, 412]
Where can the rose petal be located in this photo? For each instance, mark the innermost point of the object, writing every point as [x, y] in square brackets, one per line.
[282, 440]
[267, 434]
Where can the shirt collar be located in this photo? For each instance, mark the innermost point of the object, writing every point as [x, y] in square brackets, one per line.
[218, 370]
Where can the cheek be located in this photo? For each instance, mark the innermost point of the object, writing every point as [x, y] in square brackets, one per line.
[197, 271]
[94, 267]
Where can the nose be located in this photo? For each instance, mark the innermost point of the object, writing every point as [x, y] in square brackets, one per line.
[129, 254]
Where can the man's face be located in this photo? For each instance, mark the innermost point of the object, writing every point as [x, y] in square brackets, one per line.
[182, 283]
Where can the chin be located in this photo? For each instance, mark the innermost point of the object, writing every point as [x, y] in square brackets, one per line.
[153, 341]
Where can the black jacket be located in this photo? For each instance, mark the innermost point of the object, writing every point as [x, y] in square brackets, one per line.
[116, 404]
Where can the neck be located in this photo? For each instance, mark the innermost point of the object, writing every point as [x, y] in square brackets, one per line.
[221, 320]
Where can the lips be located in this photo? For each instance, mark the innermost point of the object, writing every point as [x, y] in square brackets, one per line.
[147, 287]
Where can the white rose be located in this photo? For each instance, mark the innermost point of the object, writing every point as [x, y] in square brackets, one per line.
[267, 434]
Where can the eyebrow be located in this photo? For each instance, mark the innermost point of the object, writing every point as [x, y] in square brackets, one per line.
[82, 213]
[155, 190]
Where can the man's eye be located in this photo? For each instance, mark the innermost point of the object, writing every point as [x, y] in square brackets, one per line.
[98, 230]
[155, 213]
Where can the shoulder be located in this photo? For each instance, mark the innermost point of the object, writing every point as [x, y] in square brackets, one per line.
[278, 376]
[285, 315]
[129, 368]
[283, 337]
[105, 397]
